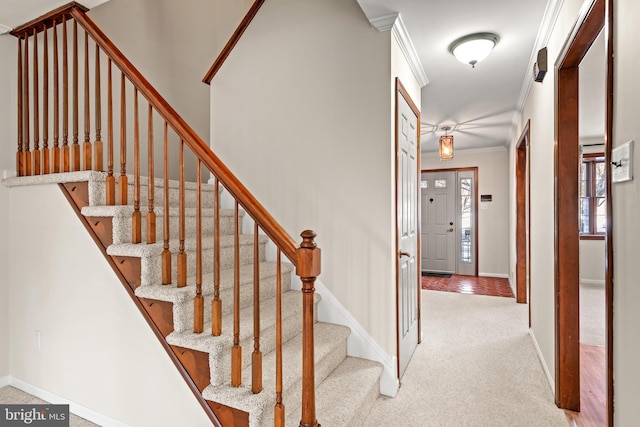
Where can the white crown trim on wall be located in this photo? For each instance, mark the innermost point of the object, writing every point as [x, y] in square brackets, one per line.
[395, 23]
[4, 29]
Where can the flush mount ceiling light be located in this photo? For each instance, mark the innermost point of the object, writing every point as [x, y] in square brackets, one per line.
[473, 48]
[446, 144]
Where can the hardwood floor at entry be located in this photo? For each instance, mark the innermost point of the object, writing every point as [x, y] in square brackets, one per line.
[490, 286]
[592, 388]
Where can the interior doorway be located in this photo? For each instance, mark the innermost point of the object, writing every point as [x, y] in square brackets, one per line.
[592, 20]
[449, 221]
[523, 252]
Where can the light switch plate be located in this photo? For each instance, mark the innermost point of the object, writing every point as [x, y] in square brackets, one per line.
[622, 162]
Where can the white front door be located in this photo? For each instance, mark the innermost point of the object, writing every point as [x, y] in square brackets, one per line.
[407, 227]
[438, 199]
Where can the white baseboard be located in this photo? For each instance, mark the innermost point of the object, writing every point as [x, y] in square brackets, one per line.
[592, 282]
[545, 368]
[500, 275]
[74, 408]
[360, 343]
[5, 381]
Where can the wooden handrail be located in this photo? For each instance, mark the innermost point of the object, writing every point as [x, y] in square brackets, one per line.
[235, 37]
[200, 149]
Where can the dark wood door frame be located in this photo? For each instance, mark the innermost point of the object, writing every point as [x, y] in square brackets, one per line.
[567, 274]
[475, 203]
[522, 225]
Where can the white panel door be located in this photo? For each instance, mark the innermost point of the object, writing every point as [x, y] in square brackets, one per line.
[438, 198]
[407, 224]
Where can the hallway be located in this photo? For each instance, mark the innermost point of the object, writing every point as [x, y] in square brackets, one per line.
[476, 366]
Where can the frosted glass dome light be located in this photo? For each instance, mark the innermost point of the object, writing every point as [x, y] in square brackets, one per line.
[473, 48]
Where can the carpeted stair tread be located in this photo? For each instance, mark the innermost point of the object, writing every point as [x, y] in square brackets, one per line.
[347, 395]
[330, 351]
[141, 250]
[291, 303]
[127, 210]
[171, 293]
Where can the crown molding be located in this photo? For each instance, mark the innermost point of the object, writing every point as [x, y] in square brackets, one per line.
[409, 50]
[393, 22]
[547, 25]
[467, 151]
[4, 29]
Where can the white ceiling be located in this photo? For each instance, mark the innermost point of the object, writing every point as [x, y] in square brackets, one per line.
[480, 103]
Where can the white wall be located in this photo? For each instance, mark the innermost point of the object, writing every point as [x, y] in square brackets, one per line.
[592, 257]
[493, 231]
[626, 229]
[539, 109]
[301, 114]
[8, 145]
[173, 43]
[96, 348]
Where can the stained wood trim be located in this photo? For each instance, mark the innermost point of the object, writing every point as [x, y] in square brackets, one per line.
[159, 334]
[608, 146]
[475, 202]
[589, 24]
[405, 94]
[199, 148]
[233, 40]
[522, 260]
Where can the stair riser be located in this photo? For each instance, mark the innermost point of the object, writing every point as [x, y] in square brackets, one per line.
[122, 227]
[183, 312]
[220, 363]
[152, 266]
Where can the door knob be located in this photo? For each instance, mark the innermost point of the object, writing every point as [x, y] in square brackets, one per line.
[403, 253]
[450, 230]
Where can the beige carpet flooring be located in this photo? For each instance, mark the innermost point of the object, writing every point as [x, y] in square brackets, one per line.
[475, 367]
[592, 314]
[10, 394]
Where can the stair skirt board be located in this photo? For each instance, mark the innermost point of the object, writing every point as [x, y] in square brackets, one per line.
[347, 387]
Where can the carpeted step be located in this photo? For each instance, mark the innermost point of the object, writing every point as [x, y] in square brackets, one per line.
[122, 221]
[98, 192]
[151, 262]
[182, 298]
[330, 351]
[346, 396]
[219, 347]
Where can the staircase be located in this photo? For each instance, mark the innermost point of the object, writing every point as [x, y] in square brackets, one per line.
[211, 282]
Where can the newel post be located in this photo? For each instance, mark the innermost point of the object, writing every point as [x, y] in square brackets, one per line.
[308, 268]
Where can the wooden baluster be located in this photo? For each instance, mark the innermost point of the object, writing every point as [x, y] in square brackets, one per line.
[236, 350]
[110, 192]
[182, 256]
[256, 356]
[56, 103]
[55, 152]
[86, 146]
[216, 303]
[26, 149]
[37, 161]
[97, 144]
[46, 154]
[166, 253]
[136, 218]
[123, 181]
[198, 301]
[279, 414]
[308, 269]
[75, 147]
[151, 215]
[65, 99]
[20, 154]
